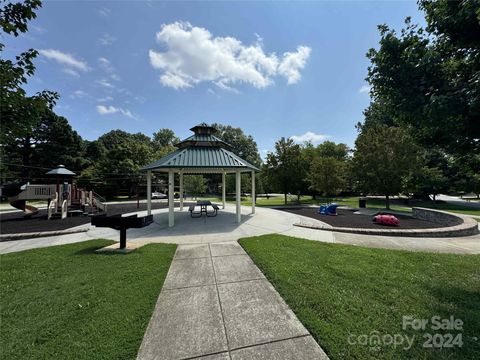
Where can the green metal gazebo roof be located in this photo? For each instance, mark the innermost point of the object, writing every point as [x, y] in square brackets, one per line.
[202, 151]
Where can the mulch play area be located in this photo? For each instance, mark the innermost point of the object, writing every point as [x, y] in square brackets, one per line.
[14, 222]
[347, 218]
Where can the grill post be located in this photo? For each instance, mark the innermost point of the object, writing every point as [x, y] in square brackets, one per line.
[123, 238]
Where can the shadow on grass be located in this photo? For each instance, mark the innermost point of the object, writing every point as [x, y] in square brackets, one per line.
[92, 250]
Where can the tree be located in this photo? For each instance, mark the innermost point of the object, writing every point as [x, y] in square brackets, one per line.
[194, 185]
[121, 155]
[19, 113]
[327, 175]
[163, 142]
[327, 167]
[426, 80]
[428, 180]
[384, 157]
[242, 145]
[286, 168]
[164, 138]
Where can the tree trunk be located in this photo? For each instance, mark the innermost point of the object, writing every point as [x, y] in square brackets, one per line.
[434, 197]
[387, 202]
[285, 198]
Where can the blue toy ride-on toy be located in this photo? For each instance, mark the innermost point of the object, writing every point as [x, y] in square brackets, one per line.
[328, 209]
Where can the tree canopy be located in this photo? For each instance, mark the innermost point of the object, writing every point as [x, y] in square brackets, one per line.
[383, 159]
[242, 145]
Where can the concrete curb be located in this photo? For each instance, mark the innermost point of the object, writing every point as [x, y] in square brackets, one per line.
[468, 227]
[19, 236]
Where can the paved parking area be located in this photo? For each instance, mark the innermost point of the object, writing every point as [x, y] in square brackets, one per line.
[216, 304]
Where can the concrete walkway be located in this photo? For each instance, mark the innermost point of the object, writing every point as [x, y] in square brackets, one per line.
[216, 304]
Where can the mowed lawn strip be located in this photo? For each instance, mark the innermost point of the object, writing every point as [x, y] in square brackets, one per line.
[340, 290]
[68, 302]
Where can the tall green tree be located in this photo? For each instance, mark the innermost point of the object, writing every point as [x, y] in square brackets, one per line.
[328, 168]
[286, 168]
[117, 170]
[163, 138]
[426, 80]
[327, 175]
[384, 158]
[163, 142]
[20, 114]
[242, 145]
[195, 185]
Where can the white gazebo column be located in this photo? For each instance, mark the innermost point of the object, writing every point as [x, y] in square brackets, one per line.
[149, 192]
[171, 193]
[224, 190]
[181, 191]
[238, 189]
[253, 192]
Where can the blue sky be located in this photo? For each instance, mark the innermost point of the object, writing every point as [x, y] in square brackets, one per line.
[272, 68]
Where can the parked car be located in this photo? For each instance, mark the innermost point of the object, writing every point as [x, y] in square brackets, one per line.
[158, 195]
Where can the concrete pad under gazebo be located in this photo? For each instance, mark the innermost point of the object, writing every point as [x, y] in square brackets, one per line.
[201, 153]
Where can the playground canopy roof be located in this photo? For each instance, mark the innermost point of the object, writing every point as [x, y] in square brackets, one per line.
[60, 170]
[202, 151]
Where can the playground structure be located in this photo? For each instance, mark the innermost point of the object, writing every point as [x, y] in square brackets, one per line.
[69, 201]
[63, 198]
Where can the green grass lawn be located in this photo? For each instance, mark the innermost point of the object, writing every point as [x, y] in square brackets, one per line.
[67, 302]
[339, 291]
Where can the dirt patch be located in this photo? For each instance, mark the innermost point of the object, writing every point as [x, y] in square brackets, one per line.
[346, 218]
[15, 223]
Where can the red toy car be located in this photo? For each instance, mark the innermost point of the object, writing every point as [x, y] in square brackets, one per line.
[389, 220]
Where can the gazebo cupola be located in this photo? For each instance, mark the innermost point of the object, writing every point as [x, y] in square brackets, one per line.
[202, 152]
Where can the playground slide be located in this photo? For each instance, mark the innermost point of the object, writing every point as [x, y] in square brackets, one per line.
[28, 210]
[13, 192]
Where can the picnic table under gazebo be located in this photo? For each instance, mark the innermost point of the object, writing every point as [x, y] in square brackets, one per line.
[201, 153]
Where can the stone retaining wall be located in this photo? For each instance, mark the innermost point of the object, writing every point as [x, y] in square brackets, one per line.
[438, 217]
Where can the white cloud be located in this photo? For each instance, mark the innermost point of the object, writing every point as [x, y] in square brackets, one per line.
[364, 89]
[106, 39]
[64, 59]
[193, 55]
[292, 63]
[70, 72]
[105, 83]
[104, 11]
[105, 99]
[107, 66]
[109, 109]
[78, 94]
[38, 29]
[309, 136]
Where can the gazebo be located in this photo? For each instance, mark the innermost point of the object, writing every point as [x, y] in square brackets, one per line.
[202, 152]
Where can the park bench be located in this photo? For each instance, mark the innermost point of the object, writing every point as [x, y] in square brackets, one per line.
[214, 212]
[193, 213]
